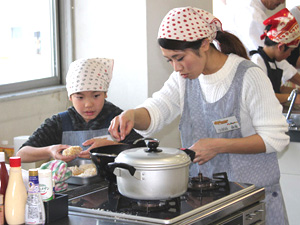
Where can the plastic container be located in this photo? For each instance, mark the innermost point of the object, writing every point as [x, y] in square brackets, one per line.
[56, 208]
[46, 185]
[9, 150]
[34, 210]
[16, 194]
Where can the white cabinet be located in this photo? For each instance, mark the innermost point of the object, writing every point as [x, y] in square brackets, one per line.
[289, 162]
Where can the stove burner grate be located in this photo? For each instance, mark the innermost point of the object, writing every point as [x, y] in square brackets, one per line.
[147, 206]
[201, 183]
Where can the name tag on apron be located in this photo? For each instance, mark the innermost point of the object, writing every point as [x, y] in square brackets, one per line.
[226, 124]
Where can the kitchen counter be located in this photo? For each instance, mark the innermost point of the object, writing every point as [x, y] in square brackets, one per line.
[234, 198]
[79, 219]
[75, 218]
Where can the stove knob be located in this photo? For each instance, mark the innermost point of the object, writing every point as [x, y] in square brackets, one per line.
[249, 217]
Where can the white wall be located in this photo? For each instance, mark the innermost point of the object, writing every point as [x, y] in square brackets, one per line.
[115, 29]
[22, 116]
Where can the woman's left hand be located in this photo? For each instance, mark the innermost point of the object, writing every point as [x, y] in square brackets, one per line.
[85, 154]
[205, 149]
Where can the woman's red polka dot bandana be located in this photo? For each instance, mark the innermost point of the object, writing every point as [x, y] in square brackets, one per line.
[189, 24]
[92, 74]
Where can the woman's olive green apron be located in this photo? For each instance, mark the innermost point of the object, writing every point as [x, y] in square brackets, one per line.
[196, 123]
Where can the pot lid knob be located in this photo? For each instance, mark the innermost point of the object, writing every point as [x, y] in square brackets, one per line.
[152, 145]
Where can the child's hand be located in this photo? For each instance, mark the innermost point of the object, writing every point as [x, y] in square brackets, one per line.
[56, 152]
[97, 142]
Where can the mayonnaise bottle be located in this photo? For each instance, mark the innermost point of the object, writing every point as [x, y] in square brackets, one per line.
[16, 194]
[45, 180]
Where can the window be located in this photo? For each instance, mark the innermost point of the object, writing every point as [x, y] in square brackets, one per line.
[28, 44]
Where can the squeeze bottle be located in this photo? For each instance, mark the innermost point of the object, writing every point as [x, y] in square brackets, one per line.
[16, 195]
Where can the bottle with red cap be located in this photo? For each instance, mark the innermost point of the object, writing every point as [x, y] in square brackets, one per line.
[3, 177]
[16, 194]
[3, 174]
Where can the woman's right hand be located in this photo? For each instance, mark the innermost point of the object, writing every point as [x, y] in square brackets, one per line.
[121, 125]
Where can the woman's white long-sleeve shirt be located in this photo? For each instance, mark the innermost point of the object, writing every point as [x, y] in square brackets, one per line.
[261, 113]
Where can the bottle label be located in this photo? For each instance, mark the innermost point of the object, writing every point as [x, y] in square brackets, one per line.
[33, 210]
[33, 184]
[46, 189]
[1, 215]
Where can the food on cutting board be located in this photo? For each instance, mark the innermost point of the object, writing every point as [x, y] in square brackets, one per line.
[73, 150]
[84, 170]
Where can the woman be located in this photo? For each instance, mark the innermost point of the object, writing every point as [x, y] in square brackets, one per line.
[229, 114]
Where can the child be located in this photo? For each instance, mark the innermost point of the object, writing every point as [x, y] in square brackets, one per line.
[87, 84]
[282, 36]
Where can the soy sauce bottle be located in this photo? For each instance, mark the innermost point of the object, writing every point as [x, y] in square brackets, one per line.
[34, 210]
[3, 177]
[3, 174]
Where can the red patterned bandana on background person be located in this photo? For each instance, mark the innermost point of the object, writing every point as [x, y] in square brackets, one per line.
[189, 24]
[284, 28]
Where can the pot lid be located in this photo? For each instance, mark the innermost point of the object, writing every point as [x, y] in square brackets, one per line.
[153, 156]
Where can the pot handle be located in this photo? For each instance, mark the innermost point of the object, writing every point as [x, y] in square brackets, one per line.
[114, 165]
[190, 153]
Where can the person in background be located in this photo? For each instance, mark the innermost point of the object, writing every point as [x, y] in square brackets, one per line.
[281, 36]
[245, 19]
[294, 58]
[87, 84]
[230, 116]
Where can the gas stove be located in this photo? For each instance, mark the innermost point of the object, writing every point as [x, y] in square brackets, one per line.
[207, 201]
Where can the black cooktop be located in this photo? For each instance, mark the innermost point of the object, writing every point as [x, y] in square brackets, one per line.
[108, 202]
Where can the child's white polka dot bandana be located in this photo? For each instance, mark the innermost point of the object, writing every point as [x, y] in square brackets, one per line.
[189, 24]
[92, 74]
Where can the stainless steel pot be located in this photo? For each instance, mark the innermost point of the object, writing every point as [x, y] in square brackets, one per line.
[152, 173]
